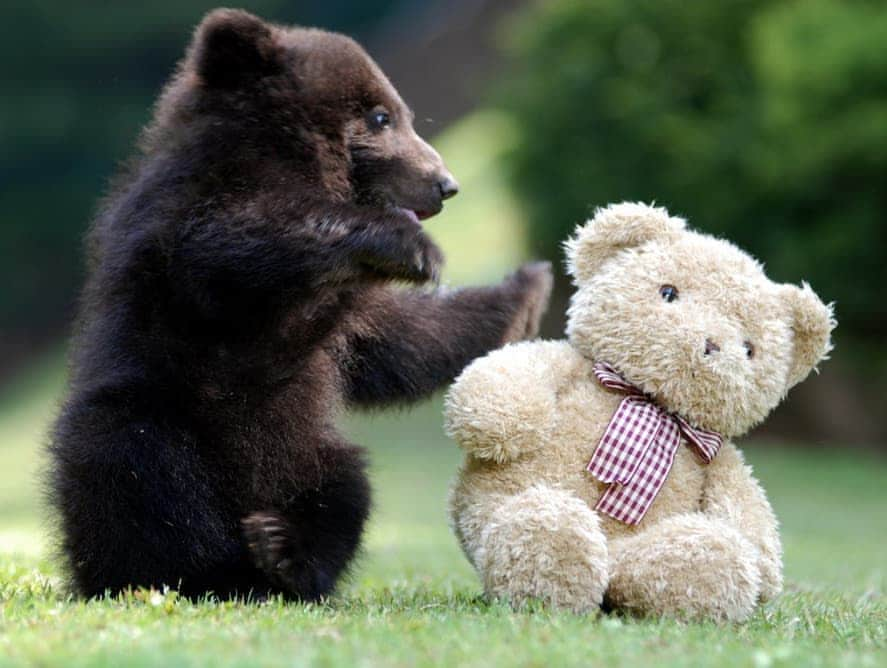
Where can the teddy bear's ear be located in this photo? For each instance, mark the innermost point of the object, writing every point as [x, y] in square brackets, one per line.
[812, 324]
[232, 47]
[612, 229]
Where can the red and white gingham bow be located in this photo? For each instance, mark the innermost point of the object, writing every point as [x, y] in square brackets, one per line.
[637, 449]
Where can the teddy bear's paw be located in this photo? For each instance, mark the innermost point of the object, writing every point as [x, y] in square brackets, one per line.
[545, 544]
[687, 566]
[501, 407]
[771, 578]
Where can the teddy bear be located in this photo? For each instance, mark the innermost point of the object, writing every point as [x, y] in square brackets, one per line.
[600, 470]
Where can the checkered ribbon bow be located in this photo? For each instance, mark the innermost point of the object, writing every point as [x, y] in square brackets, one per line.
[638, 447]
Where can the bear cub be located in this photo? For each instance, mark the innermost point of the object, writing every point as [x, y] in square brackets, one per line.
[241, 291]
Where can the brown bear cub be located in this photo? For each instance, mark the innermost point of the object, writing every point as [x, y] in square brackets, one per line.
[239, 294]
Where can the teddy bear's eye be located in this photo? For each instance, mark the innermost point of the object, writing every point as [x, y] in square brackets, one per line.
[668, 292]
[749, 349]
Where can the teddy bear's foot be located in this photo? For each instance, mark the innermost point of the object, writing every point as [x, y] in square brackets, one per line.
[689, 566]
[545, 544]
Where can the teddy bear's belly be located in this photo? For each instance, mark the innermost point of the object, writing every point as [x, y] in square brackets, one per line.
[584, 410]
[681, 493]
[482, 486]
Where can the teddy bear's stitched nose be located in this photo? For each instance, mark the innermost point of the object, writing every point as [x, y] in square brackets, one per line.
[711, 347]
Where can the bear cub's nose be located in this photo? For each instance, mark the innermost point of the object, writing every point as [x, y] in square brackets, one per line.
[448, 186]
[711, 347]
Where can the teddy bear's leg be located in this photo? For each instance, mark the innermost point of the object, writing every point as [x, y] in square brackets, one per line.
[690, 566]
[544, 543]
[733, 494]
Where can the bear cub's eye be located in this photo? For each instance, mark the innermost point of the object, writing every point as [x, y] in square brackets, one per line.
[379, 119]
[668, 292]
[749, 349]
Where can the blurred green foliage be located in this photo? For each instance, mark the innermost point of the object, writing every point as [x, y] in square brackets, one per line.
[78, 83]
[764, 121]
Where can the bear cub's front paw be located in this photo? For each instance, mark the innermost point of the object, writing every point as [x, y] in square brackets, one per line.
[423, 260]
[533, 283]
[402, 250]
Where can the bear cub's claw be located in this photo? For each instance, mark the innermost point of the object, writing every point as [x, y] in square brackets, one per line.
[428, 262]
[267, 538]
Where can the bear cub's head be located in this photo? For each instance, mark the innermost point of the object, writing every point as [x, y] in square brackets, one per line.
[690, 319]
[304, 106]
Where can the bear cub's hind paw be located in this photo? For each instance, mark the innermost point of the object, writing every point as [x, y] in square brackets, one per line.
[275, 549]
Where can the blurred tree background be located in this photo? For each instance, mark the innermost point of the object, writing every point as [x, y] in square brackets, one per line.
[764, 121]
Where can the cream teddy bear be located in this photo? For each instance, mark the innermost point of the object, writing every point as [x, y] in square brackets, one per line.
[599, 470]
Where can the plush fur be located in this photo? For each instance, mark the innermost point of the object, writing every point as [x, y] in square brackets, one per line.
[240, 294]
[530, 415]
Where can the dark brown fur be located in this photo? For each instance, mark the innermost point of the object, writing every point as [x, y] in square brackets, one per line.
[240, 293]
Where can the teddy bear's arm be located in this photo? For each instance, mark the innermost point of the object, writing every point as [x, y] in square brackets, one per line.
[734, 494]
[504, 404]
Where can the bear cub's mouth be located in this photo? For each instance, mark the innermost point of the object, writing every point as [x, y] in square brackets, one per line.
[417, 215]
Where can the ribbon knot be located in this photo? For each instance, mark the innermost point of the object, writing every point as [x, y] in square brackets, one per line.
[638, 447]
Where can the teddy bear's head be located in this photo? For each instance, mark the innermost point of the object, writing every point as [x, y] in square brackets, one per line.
[690, 319]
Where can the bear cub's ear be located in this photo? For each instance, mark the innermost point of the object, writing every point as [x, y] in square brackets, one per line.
[614, 228]
[232, 47]
[812, 323]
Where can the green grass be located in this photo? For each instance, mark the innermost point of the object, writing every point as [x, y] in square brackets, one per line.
[413, 599]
